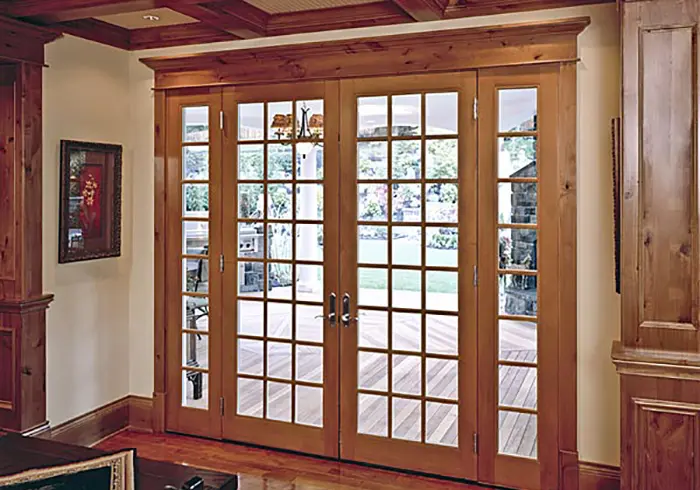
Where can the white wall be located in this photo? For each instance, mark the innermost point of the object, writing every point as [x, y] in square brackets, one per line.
[86, 97]
[99, 306]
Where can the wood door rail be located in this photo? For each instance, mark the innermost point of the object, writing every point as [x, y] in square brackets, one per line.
[427, 52]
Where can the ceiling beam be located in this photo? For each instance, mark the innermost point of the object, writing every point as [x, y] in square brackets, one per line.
[423, 10]
[98, 31]
[177, 35]
[215, 16]
[54, 11]
[473, 8]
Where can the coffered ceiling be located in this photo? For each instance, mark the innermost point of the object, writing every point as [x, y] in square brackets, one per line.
[145, 24]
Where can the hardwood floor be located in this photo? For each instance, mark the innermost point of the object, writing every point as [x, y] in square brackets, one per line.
[266, 469]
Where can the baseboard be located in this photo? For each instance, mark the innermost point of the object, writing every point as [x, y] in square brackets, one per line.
[130, 412]
[594, 476]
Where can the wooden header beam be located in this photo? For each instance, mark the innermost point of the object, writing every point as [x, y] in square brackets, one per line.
[423, 10]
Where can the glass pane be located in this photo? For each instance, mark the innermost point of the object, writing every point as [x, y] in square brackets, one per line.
[250, 318]
[441, 334]
[517, 294]
[279, 120]
[279, 241]
[406, 419]
[310, 283]
[517, 249]
[251, 162]
[195, 200]
[250, 122]
[250, 240]
[441, 424]
[517, 203]
[406, 202]
[372, 116]
[442, 378]
[279, 360]
[195, 275]
[195, 237]
[372, 329]
[441, 113]
[517, 434]
[373, 371]
[250, 397]
[309, 161]
[195, 350]
[406, 245]
[279, 162]
[313, 125]
[517, 109]
[309, 364]
[372, 202]
[372, 244]
[441, 203]
[310, 242]
[279, 201]
[406, 115]
[406, 331]
[195, 163]
[251, 279]
[442, 290]
[517, 157]
[517, 340]
[372, 284]
[442, 246]
[309, 406]
[406, 378]
[405, 160]
[517, 387]
[195, 390]
[195, 124]
[372, 415]
[406, 289]
[250, 357]
[250, 201]
[195, 313]
[279, 401]
[310, 201]
[279, 320]
[279, 281]
[441, 159]
[309, 326]
[372, 160]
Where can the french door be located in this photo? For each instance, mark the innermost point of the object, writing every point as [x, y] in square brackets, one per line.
[359, 270]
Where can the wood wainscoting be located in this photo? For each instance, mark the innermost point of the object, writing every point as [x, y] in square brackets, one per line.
[595, 476]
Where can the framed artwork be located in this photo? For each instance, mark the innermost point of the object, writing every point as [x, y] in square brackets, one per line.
[90, 201]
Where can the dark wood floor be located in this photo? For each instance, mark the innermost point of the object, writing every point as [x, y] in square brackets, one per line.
[268, 469]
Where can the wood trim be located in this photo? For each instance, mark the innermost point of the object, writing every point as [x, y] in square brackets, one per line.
[474, 9]
[656, 363]
[99, 31]
[422, 10]
[130, 412]
[430, 52]
[24, 42]
[595, 476]
[159, 269]
[177, 35]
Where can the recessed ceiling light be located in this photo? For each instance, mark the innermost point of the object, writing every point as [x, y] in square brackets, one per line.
[151, 17]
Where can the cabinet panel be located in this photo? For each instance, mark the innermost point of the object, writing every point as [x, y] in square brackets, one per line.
[7, 372]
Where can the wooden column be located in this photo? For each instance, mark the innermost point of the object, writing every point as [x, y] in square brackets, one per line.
[658, 357]
[22, 300]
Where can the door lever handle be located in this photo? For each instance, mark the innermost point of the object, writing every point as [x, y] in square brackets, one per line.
[346, 318]
[332, 319]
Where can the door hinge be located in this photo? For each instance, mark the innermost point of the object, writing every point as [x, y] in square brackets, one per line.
[476, 276]
[221, 120]
[222, 406]
[476, 443]
[221, 263]
[476, 108]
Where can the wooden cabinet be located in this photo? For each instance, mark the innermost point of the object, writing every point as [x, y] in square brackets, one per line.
[658, 357]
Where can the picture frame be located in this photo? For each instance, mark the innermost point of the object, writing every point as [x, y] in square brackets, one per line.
[90, 201]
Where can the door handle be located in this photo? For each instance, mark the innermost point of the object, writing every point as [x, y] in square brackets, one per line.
[346, 318]
[332, 300]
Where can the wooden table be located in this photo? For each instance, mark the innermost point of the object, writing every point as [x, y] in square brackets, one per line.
[19, 453]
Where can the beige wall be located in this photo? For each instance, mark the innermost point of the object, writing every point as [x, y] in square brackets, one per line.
[598, 306]
[86, 93]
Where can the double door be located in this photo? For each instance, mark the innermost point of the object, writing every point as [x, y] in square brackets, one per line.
[358, 269]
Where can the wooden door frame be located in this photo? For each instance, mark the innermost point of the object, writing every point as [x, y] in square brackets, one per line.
[553, 42]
